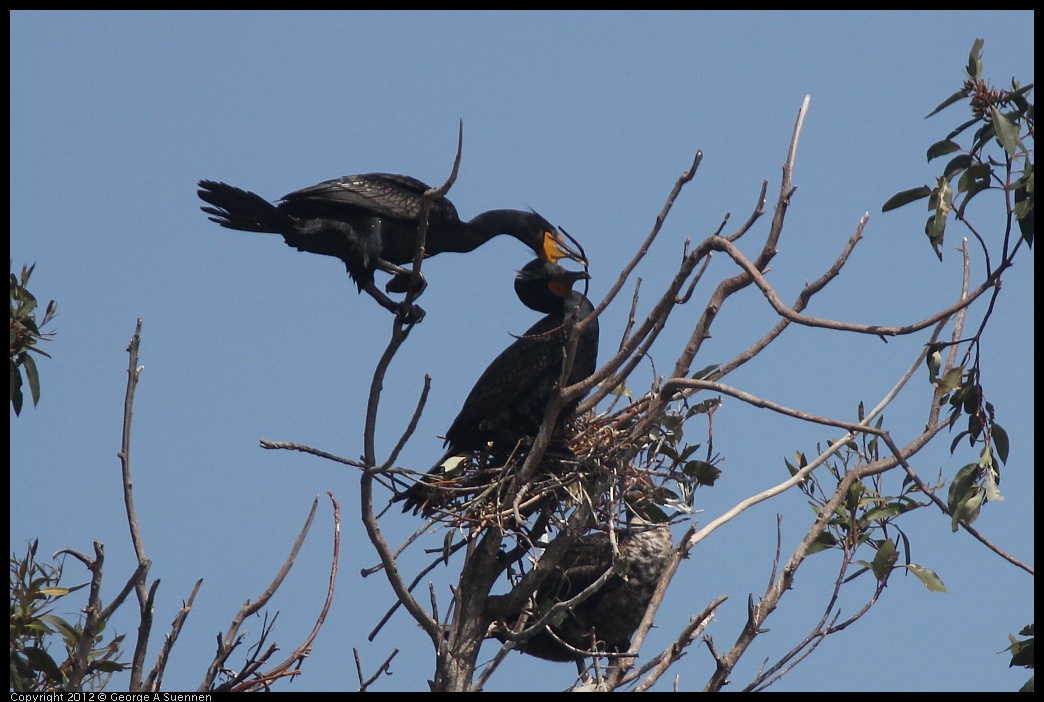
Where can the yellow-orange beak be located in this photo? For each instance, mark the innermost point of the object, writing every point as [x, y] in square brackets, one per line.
[555, 248]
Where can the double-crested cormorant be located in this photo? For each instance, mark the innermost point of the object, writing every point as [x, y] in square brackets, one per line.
[606, 620]
[370, 222]
[510, 398]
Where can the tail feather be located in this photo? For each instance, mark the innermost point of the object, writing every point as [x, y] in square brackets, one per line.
[424, 496]
[243, 210]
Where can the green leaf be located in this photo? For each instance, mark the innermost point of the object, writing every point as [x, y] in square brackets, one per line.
[982, 136]
[956, 97]
[864, 569]
[942, 197]
[968, 509]
[1022, 651]
[941, 148]
[960, 128]
[906, 197]
[975, 178]
[42, 662]
[993, 493]
[950, 380]
[957, 164]
[975, 60]
[986, 457]
[52, 310]
[962, 484]
[703, 373]
[33, 376]
[26, 308]
[927, 576]
[972, 400]
[55, 591]
[1000, 440]
[889, 510]
[940, 201]
[935, 229]
[16, 389]
[620, 390]
[1007, 133]
[67, 630]
[703, 472]
[825, 541]
[1024, 204]
[26, 272]
[973, 188]
[974, 428]
[884, 560]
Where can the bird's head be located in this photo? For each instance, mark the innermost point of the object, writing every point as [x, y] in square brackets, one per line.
[541, 285]
[557, 245]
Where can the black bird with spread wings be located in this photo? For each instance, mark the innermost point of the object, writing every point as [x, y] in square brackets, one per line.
[508, 402]
[370, 222]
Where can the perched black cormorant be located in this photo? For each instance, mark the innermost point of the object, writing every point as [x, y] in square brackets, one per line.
[510, 398]
[370, 222]
[607, 619]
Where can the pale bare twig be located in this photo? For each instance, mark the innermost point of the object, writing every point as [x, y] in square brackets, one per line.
[302, 651]
[232, 638]
[155, 679]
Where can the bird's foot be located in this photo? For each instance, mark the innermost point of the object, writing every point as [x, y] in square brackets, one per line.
[409, 313]
[400, 283]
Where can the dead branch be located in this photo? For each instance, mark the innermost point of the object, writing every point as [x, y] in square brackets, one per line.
[155, 679]
[232, 638]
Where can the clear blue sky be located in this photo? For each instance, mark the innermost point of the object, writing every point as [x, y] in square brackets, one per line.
[588, 118]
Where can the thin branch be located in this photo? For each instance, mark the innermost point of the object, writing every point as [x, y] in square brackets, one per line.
[400, 332]
[863, 426]
[784, 582]
[416, 581]
[946, 510]
[383, 668]
[142, 642]
[806, 646]
[751, 270]
[79, 657]
[145, 596]
[412, 426]
[652, 324]
[684, 178]
[304, 649]
[291, 446]
[229, 642]
[661, 663]
[133, 373]
[155, 679]
[803, 299]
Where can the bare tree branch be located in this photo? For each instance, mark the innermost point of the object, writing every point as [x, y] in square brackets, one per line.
[302, 651]
[231, 639]
[155, 680]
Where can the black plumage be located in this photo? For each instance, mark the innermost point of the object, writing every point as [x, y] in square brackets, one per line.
[509, 400]
[606, 620]
[370, 222]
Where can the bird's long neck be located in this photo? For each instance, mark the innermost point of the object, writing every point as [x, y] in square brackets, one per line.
[487, 225]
